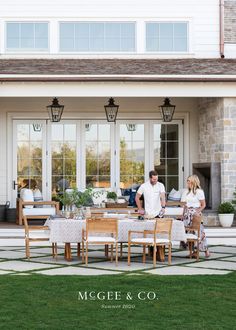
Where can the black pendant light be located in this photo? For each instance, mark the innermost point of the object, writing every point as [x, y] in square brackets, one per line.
[111, 110]
[55, 111]
[167, 110]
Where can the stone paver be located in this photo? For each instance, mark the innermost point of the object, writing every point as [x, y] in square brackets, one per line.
[222, 261]
[229, 259]
[214, 255]
[16, 254]
[178, 270]
[215, 264]
[22, 265]
[76, 271]
[4, 272]
[122, 266]
[223, 249]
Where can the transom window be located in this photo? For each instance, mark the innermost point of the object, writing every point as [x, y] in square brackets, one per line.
[97, 37]
[167, 37]
[27, 36]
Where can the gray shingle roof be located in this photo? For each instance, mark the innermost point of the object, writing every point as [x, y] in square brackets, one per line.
[123, 67]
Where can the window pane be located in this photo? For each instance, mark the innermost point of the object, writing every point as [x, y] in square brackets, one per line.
[166, 30]
[98, 155]
[166, 45]
[97, 37]
[27, 30]
[152, 30]
[66, 30]
[81, 30]
[180, 30]
[180, 45]
[172, 132]
[13, 30]
[27, 36]
[167, 37]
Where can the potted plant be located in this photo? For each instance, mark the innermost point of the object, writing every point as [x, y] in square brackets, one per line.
[111, 197]
[226, 214]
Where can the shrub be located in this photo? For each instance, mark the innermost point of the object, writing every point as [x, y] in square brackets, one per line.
[225, 208]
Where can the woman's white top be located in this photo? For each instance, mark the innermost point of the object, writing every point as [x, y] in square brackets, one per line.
[191, 199]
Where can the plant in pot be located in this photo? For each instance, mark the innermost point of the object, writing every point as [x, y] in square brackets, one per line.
[111, 197]
[226, 214]
[67, 201]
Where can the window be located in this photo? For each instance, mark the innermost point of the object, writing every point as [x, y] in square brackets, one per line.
[97, 37]
[167, 37]
[166, 154]
[98, 155]
[27, 36]
[29, 156]
[132, 155]
[63, 153]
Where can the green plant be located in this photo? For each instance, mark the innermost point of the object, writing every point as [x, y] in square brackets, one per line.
[83, 198]
[226, 208]
[111, 195]
[67, 198]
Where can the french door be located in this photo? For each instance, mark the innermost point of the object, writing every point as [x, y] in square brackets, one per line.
[87, 153]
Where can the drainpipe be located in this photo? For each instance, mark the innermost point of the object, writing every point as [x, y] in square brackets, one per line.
[222, 41]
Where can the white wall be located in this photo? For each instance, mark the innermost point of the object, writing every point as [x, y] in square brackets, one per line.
[202, 15]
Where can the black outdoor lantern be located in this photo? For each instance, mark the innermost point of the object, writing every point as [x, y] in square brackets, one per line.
[167, 110]
[55, 111]
[37, 127]
[111, 110]
[131, 127]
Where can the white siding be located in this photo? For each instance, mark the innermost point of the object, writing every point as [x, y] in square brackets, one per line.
[203, 17]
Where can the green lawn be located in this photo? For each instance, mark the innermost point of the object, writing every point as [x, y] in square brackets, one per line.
[184, 302]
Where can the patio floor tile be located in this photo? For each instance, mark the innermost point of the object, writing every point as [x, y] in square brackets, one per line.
[229, 259]
[214, 255]
[178, 270]
[215, 264]
[43, 250]
[223, 249]
[23, 265]
[4, 272]
[122, 266]
[76, 271]
[16, 254]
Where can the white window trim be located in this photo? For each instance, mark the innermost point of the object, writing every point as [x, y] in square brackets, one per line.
[173, 20]
[25, 50]
[97, 117]
[98, 52]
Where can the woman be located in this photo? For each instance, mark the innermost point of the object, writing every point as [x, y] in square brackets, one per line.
[195, 202]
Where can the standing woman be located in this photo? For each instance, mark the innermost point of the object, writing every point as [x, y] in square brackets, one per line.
[195, 202]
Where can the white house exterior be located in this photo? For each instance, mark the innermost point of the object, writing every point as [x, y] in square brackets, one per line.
[83, 53]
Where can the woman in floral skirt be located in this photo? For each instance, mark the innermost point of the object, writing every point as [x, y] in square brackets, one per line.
[194, 199]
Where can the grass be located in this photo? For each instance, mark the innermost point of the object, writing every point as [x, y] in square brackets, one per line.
[184, 302]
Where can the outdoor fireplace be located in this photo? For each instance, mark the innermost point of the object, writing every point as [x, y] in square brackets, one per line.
[209, 175]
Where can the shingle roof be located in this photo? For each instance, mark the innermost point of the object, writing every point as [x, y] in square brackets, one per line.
[122, 67]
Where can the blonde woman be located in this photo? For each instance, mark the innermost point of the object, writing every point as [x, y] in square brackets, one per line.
[195, 202]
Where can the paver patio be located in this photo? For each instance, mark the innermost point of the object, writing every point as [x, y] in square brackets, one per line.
[12, 261]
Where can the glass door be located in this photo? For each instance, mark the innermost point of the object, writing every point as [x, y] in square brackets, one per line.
[28, 156]
[167, 152]
[63, 153]
[131, 154]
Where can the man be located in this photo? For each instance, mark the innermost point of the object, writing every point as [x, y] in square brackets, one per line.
[154, 196]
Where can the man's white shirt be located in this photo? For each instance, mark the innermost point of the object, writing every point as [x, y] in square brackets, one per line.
[152, 197]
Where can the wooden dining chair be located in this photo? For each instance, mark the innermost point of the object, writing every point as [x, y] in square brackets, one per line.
[194, 236]
[36, 234]
[94, 235]
[153, 238]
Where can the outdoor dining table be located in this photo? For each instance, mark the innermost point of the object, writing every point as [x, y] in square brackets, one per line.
[70, 231]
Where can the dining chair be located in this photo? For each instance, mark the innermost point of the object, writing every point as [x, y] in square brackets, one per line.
[100, 231]
[36, 234]
[193, 236]
[159, 237]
